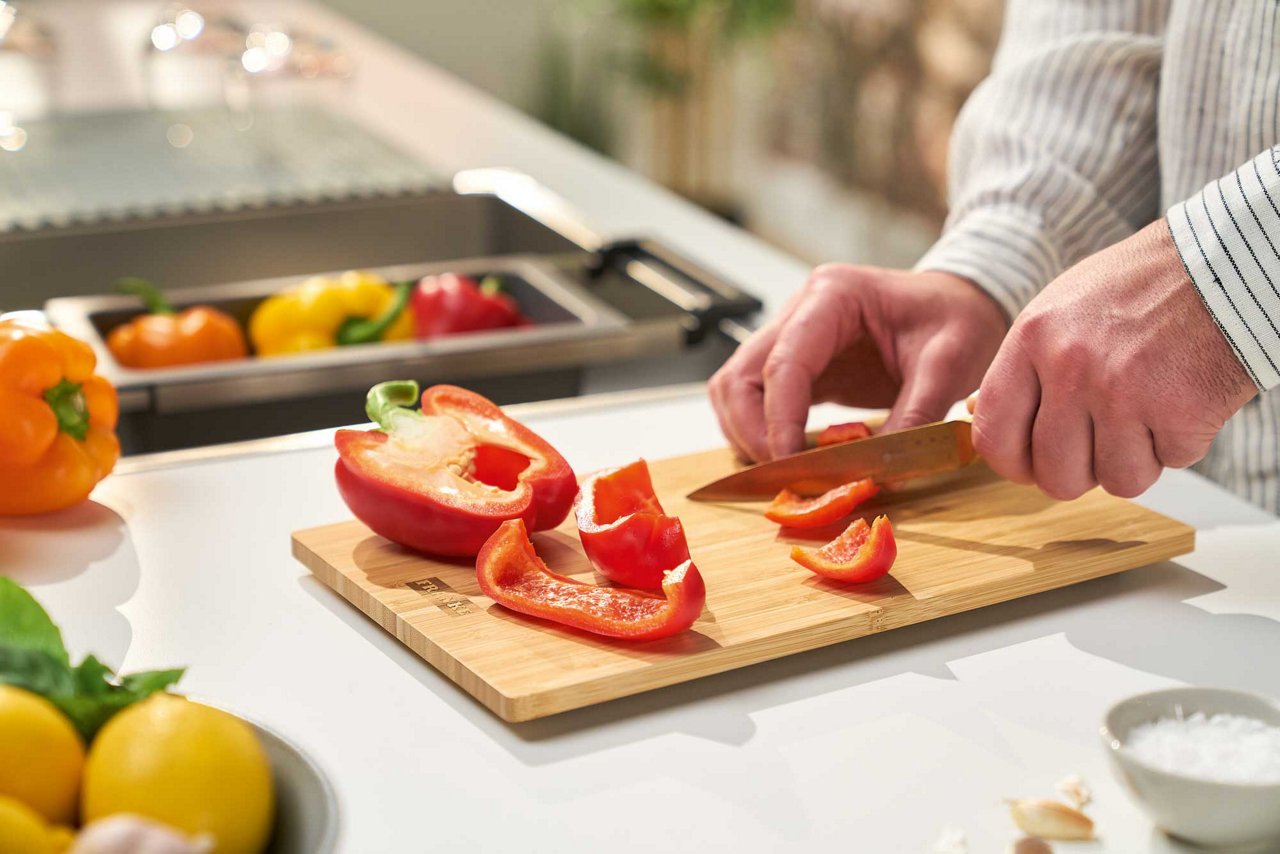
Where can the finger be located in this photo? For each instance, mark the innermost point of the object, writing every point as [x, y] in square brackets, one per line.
[1124, 456]
[746, 421]
[1062, 445]
[927, 388]
[738, 395]
[716, 394]
[806, 344]
[1005, 413]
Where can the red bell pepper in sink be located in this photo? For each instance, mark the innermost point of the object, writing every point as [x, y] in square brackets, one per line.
[511, 574]
[443, 478]
[449, 303]
[623, 529]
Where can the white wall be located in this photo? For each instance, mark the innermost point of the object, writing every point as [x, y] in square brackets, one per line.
[490, 43]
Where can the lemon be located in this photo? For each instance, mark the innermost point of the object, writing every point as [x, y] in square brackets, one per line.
[190, 766]
[41, 755]
[25, 831]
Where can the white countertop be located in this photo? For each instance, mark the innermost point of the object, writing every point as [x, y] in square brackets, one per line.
[872, 746]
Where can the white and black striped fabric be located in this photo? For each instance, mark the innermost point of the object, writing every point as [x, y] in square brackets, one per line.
[1098, 116]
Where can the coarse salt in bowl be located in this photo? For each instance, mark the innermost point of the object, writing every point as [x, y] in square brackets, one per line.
[1204, 763]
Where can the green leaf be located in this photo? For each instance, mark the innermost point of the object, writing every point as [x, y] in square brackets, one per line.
[98, 696]
[151, 681]
[34, 670]
[26, 625]
[32, 656]
[89, 713]
[92, 677]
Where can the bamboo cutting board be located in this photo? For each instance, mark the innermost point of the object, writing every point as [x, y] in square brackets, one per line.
[972, 541]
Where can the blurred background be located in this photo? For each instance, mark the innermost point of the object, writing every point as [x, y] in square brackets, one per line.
[227, 150]
[821, 125]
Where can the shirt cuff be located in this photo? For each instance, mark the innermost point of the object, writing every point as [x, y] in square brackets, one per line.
[1228, 235]
[1002, 250]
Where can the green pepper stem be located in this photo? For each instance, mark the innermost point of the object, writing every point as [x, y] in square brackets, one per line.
[363, 330]
[391, 400]
[66, 399]
[490, 285]
[147, 292]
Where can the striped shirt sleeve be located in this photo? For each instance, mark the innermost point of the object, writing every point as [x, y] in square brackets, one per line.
[1054, 156]
[1228, 235]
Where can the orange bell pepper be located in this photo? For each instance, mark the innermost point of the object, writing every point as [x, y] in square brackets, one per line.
[162, 338]
[57, 420]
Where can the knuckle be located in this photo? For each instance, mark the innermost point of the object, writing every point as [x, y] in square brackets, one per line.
[1126, 485]
[1124, 478]
[1179, 452]
[774, 366]
[1061, 490]
[1031, 326]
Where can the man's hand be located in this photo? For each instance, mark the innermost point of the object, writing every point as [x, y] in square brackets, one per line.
[859, 336]
[1115, 371]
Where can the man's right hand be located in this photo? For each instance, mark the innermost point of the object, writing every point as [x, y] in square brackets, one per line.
[859, 336]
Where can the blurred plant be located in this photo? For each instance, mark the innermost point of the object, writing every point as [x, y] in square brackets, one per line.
[675, 54]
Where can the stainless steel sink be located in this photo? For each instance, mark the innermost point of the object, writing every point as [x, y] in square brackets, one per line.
[596, 303]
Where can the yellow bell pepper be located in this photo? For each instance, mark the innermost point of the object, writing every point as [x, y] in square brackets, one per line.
[355, 308]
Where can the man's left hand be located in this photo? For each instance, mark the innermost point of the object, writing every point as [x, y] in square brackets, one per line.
[1113, 373]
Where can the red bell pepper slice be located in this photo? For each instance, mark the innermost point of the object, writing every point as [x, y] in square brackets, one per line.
[449, 303]
[441, 480]
[848, 432]
[511, 574]
[624, 531]
[862, 553]
[791, 510]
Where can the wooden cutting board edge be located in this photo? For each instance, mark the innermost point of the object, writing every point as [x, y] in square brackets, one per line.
[543, 703]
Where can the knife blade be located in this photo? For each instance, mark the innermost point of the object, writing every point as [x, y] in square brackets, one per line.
[886, 458]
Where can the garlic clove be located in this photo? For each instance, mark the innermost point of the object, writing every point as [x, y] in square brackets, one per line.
[1050, 819]
[1072, 788]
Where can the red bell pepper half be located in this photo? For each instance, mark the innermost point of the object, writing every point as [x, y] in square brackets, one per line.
[511, 574]
[450, 303]
[848, 432]
[862, 553]
[791, 510]
[623, 529]
[442, 479]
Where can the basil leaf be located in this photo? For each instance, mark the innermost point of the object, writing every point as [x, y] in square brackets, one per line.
[33, 657]
[89, 713]
[98, 695]
[25, 625]
[151, 681]
[34, 670]
[92, 677]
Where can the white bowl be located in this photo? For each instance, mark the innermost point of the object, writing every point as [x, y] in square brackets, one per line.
[306, 820]
[1200, 811]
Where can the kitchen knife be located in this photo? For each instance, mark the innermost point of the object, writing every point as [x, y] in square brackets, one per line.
[885, 458]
